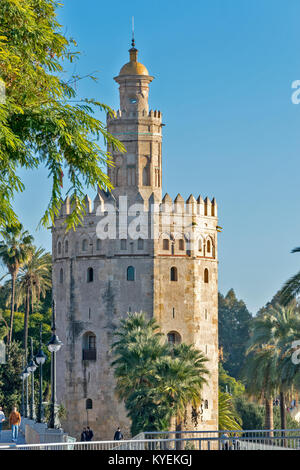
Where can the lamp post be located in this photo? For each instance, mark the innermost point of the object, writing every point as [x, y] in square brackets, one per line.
[54, 345]
[26, 374]
[40, 360]
[31, 368]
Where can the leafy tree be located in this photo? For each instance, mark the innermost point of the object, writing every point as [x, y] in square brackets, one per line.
[10, 383]
[14, 250]
[234, 332]
[252, 414]
[42, 122]
[228, 384]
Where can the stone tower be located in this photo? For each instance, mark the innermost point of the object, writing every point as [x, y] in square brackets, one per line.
[135, 251]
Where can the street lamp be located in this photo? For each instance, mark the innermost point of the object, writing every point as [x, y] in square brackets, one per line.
[54, 345]
[40, 359]
[32, 367]
[22, 377]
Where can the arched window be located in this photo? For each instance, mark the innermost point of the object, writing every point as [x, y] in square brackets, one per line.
[140, 244]
[130, 273]
[66, 246]
[98, 244]
[173, 274]
[208, 246]
[206, 404]
[181, 244]
[174, 338]
[199, 244]
[84, 244]
[206, 276]
[61, 276]
[89, 404]
[90, 275]
[59, 248]
[166, 244]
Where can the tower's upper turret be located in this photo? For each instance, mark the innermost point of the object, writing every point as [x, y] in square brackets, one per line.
[134, 82]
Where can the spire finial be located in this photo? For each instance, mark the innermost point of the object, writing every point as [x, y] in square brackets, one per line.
[132, 41]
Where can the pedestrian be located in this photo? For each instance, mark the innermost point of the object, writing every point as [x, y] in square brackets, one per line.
[2, 418]
[118, 435]
[89, 434]
[83, 435]
[14, 422]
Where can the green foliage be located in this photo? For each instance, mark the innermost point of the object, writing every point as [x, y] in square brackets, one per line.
[252, 414]
[234, 332]
[10, 383]
[156, 381]
[229, 419]
[40, 124]
[230, 384]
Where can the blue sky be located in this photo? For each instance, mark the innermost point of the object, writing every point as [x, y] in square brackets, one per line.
[223, 72]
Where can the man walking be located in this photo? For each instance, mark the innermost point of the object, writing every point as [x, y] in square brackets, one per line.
[83, 435]
[118, 435]
[14, 422]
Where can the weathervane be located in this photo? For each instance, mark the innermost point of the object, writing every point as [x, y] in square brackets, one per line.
[132, 42]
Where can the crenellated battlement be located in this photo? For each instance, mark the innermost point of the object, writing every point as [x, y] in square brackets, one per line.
[191, 206]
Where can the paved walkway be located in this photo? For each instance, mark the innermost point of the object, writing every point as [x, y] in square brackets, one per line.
[5, 438]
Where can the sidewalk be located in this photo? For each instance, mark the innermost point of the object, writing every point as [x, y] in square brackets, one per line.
[5, 438]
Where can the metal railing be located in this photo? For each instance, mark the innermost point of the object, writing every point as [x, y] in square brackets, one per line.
[275, 439]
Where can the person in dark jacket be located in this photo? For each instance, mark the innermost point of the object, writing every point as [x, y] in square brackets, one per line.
[118, 435]
[83, 435]
[89, 434]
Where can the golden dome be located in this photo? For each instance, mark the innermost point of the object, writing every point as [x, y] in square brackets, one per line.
[133, 67]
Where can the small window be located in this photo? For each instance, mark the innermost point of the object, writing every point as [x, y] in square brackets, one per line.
[123, 244]
[61, 276]
[174, 338]
[166, 244]
[140, 244]
[98, 244]
[206, 276]
[59, 248]
[89, 404]
[206, 404]
[199, 244]
[130, 273]
[181, 244]
[173, 274]
[208, 246]
[66, 246]
[84, 244]
[90, 275]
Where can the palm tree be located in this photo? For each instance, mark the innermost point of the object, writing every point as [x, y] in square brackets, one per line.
[14, 250]
[228, 417]
[261, 374]
[33, 281]
[292, 287]
[156, 380]
[272, 338]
